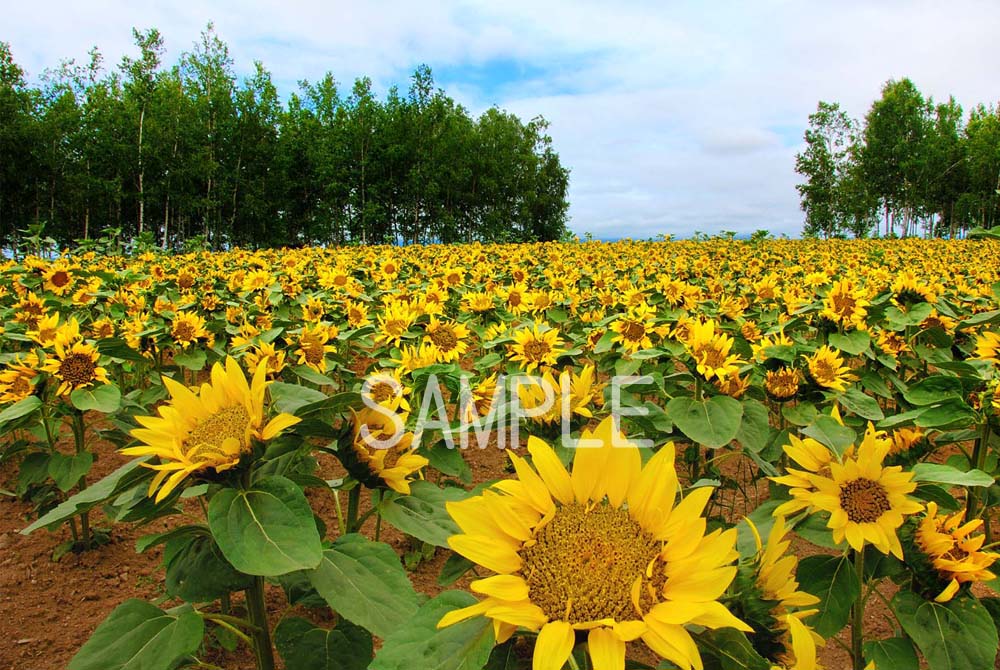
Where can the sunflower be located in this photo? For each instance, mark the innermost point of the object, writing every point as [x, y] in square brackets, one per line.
[59, 279]
[866, 501]
[954, 552]
[75, 366]
[48, 331]
[633, 328]
[386, 388]
[827, 369]
[17, 381]
[782, 384]
[770, 599]
[379, 454]
[572, 393]
[450, 339]
[477, 302]
[603, 551]
[711, 351]
[988, 347]
[535, 347]
[313, 346]
[187, 328]
[211, 429]
[265, 352]
[394, 321]
[356, 313]
[845, 304]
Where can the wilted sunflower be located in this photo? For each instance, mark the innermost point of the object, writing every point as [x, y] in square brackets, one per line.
[827, 369]
[208, 430]
[75, 366]
[603, 551]
[534, 347]
[866, 501]
[782, 384]
[954, 552]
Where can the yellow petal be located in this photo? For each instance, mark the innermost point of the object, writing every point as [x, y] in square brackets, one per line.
[607, 650]
[553, 646]
[278, 424]
[487, 552]
[551, 470]
[502, 587]
[464, 613]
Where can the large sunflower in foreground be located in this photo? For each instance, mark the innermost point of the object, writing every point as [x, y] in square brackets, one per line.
[867, 502]
[208, 430]
[604, 551]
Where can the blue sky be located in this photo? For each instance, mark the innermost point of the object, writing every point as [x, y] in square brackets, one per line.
[673, 117]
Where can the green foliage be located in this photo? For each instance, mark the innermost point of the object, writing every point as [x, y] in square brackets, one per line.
[186, 157]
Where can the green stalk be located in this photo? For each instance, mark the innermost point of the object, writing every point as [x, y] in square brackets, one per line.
[858, 613]
[353, 505]
[79, 434]
[261, 633]
[979, 453]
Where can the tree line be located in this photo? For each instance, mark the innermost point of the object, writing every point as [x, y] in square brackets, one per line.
[171, 155]
[911, 167]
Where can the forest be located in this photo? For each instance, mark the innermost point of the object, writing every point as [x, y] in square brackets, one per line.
[910, 167]
[189, 156]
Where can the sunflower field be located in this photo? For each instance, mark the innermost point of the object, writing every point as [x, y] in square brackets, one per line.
[708, 454]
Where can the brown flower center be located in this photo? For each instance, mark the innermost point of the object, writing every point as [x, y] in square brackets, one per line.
[536, 350]
[382, 391]
[313, 349]
[183, 331]
[583, 564]
[209, 435]
[444, 338]
[633, 331]
[59, 278]
[864, 500]
[77, 369]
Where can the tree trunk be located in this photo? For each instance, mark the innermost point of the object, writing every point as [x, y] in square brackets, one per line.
[142, 117]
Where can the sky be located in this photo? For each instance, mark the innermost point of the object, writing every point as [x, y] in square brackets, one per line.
[673, 117]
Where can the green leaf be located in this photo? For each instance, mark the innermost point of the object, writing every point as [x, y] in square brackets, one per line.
[21, 408]
[290, 397]
[197, 572]
[732, 649]
[453, 569]
[146, 541]
[67, 470]
[364, 582]
[896, 653]
[934, 389]
[422, 514]
[861, 404]
[118, 481]
[828, 431]
[834, 581]
[106, 398]
[140, 636]
[897, 319]
[801, 414]
[304, 646]
[605, 343]
[946, 474]
[949, 414]
[755, 428]
[853, 343]
[118, 348]
[448, 461]
[712, 422]
[267, 530]
[194, 359]
[957, 635]
[420, 644]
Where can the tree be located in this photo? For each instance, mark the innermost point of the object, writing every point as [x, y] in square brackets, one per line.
[826, 165]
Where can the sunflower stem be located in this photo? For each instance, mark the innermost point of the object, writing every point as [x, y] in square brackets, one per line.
[261, 634]
[857, 624]
[353, 504]
[80, 436]
[979, 452]
[572, 663]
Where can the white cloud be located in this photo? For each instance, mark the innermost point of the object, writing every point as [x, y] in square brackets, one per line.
[673, 117]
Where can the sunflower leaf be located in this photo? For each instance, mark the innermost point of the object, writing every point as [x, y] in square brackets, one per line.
[266, 530]
[895, 652]
[712, 422]
[304, 646]
[140, 636]
[422, 514]
[828, 431]
[956, 635]
[834, 581]
[106, 398]
[946, 474]
[732, 649]
[364, 582]
[420, 644]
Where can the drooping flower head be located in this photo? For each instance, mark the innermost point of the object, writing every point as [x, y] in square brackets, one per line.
[606, 551]
[953, 550]
[210, 429]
